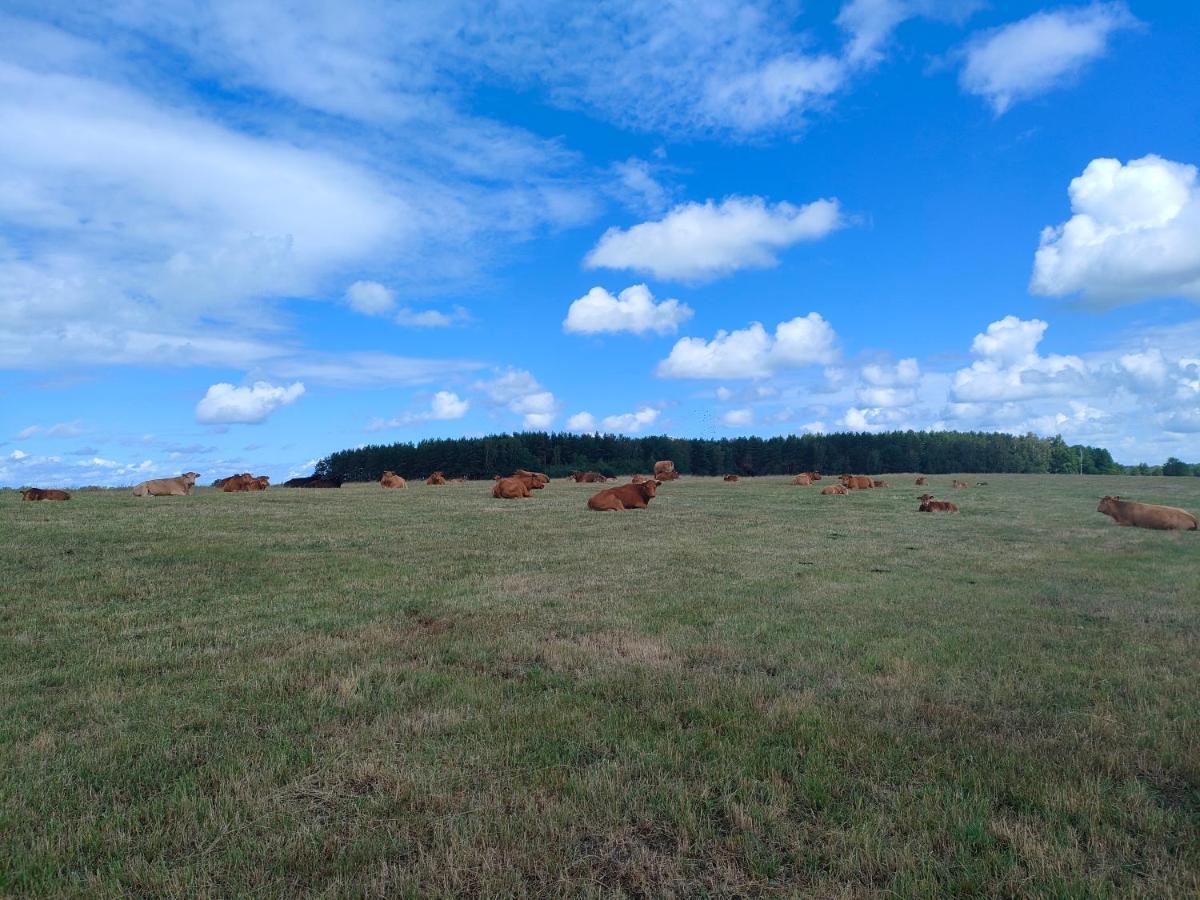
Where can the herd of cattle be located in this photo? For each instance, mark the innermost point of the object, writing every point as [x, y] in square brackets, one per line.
[637, 494]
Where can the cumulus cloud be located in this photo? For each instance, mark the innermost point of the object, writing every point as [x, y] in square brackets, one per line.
[582, 421]
[370, 298]
[519, 392]
[225, 404]
[630, 422]
[1009, 367]
[1039, 53]
[738, 418]
[633, 310]
[1134, 235]
[443, 406]
[701, 241]
[627, 423]
[752, 352]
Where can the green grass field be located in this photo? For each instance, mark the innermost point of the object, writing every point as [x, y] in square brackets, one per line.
[747, 689]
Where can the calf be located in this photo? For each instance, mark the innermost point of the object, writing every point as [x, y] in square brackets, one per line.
[928, 504]
[829, 490]
[730, 478]
[960, 484]
[1147, 515]
[436, 478]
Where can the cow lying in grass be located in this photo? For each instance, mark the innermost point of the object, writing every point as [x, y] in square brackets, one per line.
[511, 488]
[167, 487]
[44, 494]
[730, 478]
[857, 482]
[390, 479]
[587, 477]
[928, 504]
[1147, 515]
[242, 483]
[627, 496]
[835, 489]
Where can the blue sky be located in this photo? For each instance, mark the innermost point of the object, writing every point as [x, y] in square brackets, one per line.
[241, 237]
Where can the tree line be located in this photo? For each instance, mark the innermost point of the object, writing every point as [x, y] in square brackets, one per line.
[557, 454]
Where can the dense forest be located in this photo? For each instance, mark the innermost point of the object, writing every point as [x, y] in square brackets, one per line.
[557, 454]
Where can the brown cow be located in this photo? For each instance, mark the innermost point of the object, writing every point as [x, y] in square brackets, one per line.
[390, 479]
[44, 494]
[804, 478]
[537, 480]
[857, 482]
[664, 470]
[243, 482]
[436, 478]
[587, 477]
[730, 478]
[167, 487]
[960, 484]
[234, 483]
[1147, 515]
[627, 496]
[879, 484]
[640, 479]
[835, 489]
[510, 488]
[922, 481]
[928, 504]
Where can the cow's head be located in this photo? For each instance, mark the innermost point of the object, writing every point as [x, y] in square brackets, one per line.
[1107, 504]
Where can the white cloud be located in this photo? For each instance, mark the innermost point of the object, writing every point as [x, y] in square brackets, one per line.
[432, 318]
[724, 393]
[1039, 53]
[905, 372]
[752, 352]
[633, 310]
[630, 423]
[702, 241]
[889, 386]
[370, 298]
[627, 423]
[738, 418]
[582, 421]
[637, 188]
[26, 433]
[448, 405]
[870, 23]
[167, 211]
[225, 404]
[60, 430]
[1009, 367]
[1134, 235]
[18, 455]
[520, 392]
[443, 406]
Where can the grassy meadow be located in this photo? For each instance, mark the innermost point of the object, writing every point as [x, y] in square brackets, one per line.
[746, 690]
